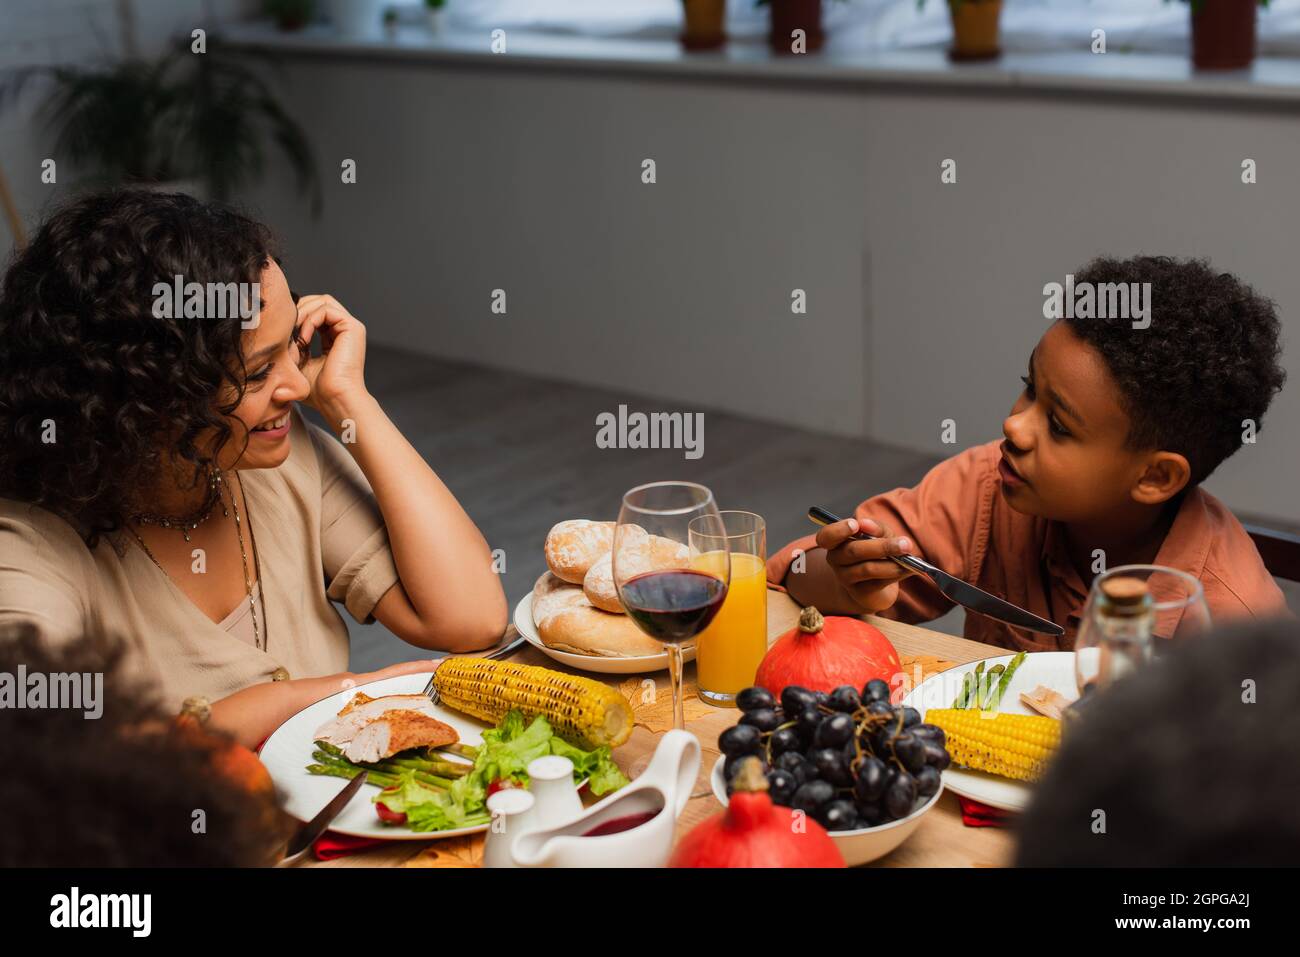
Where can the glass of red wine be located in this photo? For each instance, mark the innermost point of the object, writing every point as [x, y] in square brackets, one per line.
[671, 593]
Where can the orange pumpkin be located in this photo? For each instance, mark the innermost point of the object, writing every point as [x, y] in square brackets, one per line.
[821, 654]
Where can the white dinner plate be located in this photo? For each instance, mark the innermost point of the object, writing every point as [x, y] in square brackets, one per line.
[287, 752]
[597, 663]
[1055, 669]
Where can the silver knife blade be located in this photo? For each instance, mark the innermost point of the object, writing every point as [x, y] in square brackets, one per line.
[317, 825]
[963, 593]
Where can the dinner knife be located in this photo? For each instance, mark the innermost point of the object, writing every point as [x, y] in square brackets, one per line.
[963, 593]
[307, 834]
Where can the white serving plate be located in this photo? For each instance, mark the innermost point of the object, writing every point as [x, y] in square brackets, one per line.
[595, 663]
[862, 845]
[1055, 669]
[287, 752]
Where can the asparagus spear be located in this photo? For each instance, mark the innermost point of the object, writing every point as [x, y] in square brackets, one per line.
[419, 764]
[990, 683]
[384, 768]
[973, 696]
[462, 750]
[1006, 680]
[339, 771]
[964, 693]
[444, 768]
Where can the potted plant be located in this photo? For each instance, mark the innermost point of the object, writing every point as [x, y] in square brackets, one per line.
[704, 24]
[290, 14]
[975, 28]
[1223, 33]
[787, 16]
[435, 9]
[177, 118]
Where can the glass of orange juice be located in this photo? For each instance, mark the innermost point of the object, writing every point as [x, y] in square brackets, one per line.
[729, 650]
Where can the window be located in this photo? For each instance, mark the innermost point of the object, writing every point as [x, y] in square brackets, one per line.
[1027, 25]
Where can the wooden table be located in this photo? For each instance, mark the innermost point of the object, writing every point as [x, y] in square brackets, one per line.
[940, 841]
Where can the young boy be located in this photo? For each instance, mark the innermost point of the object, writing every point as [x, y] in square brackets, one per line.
[1101, 465]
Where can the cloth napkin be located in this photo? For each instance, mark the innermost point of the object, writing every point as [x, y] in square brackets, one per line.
[330, 845]
[975, 814]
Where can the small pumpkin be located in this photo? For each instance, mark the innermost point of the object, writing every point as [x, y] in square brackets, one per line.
[754, 832]
[822, 653]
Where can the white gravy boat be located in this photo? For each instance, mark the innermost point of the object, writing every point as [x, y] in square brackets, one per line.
[662, 789]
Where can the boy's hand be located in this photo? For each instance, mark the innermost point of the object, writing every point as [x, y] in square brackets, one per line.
[863, 568]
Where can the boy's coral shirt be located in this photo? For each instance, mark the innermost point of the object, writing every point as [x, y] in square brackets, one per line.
[959, 520]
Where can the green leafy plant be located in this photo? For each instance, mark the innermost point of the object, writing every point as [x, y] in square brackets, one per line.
[184, 115]
[435, 4]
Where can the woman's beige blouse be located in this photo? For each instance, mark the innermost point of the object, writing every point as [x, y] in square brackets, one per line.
[319, 536]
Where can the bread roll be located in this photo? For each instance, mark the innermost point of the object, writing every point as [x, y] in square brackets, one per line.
[656, 552]
[567, 621]
[573, 546]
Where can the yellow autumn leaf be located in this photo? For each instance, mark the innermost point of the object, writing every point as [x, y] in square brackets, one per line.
[652, 703]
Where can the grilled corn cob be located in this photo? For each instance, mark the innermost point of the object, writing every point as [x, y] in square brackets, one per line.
[583, 711]
[1010, 745]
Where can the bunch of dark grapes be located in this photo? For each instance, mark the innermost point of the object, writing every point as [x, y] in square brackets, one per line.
[846, 759]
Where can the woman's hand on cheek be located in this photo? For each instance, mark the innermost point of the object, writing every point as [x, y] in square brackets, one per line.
[337, 376]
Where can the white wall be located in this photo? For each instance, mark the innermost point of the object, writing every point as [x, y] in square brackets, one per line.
[924, 299]
[81, 32]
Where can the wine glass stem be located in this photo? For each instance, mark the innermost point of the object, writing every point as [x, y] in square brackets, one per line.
[675, 677]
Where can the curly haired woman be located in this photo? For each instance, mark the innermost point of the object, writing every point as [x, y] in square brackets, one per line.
[157, 479]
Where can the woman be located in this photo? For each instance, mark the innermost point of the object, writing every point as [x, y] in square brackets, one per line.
[157, 480]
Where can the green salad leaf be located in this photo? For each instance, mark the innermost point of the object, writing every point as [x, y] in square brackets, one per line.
[425, 808]
[505, 752]
[597, 766]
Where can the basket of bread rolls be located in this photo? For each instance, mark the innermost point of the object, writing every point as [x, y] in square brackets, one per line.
[574, 614]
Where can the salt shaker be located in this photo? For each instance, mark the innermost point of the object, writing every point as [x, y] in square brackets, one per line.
[557, 801]
[513, 813]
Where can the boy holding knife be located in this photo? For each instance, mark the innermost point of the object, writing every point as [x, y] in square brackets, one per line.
[1101, 463]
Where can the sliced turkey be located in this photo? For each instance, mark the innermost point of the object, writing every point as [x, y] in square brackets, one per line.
[371, 729]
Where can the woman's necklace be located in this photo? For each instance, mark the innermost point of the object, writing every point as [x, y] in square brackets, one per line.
[259, 637]
[187, 523]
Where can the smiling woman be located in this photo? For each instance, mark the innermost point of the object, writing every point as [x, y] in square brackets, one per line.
[158, 481]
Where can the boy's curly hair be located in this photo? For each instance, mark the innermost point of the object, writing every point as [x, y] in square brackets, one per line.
[1208, 362]
[119, 790]
[80, 347]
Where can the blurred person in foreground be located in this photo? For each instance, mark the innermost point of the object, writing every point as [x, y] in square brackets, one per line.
[118, 782]
[1192, 762]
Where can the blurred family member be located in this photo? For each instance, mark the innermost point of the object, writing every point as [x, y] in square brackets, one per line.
[1101, 465]
[158, 481]
[1191, 762]
[121, 784]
